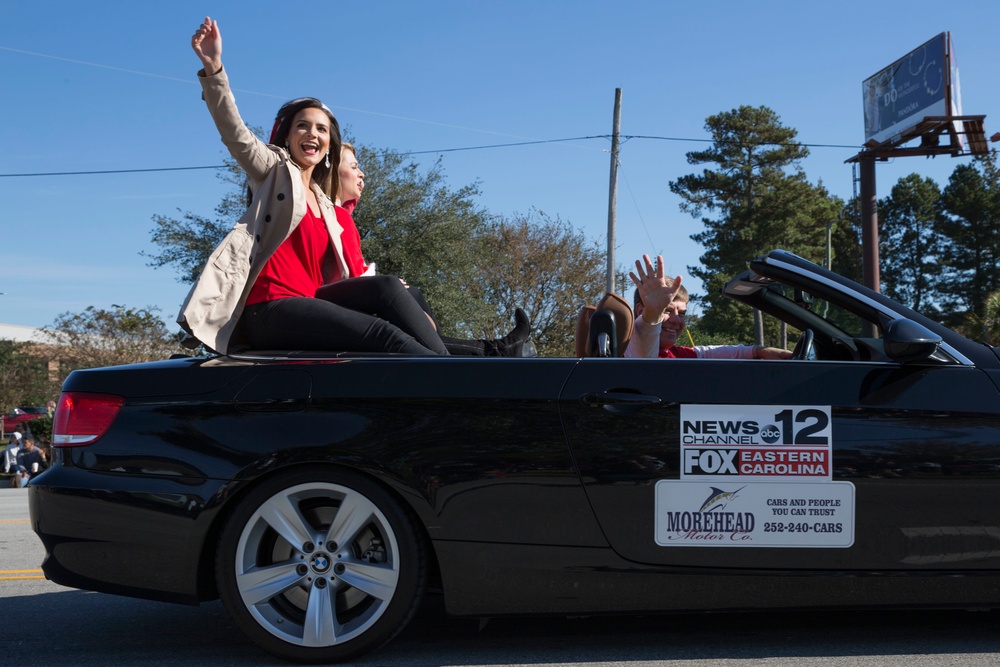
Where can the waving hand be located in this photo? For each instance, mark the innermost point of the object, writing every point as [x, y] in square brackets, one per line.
[207, 44]
[655, 289]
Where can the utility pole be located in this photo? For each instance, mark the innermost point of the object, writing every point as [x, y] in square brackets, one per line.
[828, 265]
[613, 190]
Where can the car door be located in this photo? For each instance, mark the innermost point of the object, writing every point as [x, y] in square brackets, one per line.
[477, 443]
[873, 465]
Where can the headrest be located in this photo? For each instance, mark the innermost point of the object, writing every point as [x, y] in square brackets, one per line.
[583, 330]
[624, 318]
[624, 321]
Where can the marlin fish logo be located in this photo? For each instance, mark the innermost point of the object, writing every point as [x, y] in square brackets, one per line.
[719, 496]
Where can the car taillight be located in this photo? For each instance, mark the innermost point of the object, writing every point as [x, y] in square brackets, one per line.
[81, 417]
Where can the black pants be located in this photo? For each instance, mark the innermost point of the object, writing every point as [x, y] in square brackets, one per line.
[366, 314]
[456, 346]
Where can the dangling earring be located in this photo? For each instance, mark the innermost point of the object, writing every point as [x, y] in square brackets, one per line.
[287, 147]
[327, 163]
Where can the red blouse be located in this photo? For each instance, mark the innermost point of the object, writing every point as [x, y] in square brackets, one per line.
[350, 239]
[295, 268]
[678, 352]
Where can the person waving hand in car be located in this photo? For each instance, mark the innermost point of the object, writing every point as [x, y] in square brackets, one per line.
[660, 305]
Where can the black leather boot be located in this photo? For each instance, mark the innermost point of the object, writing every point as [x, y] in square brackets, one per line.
[511, 345]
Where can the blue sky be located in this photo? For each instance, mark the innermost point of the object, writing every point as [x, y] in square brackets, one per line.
[111, 86]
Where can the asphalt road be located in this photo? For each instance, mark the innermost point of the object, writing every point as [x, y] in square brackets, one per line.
[46, 624]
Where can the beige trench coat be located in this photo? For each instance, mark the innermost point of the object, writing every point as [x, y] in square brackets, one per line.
[213, 307]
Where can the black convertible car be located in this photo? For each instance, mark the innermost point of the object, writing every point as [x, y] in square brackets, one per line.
[320, 495]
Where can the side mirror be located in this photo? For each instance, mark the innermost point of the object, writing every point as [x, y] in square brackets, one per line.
[907, 341]
[803, 299]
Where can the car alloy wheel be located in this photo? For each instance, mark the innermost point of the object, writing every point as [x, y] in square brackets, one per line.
[316, 567]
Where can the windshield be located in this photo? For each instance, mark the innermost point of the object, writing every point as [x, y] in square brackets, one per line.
[846, 321]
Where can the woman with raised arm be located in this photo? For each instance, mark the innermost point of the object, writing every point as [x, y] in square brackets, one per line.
[260, 284]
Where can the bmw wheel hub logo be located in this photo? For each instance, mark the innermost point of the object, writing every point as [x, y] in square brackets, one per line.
[320, 562]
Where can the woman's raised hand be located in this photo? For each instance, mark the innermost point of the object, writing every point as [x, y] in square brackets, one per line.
[207, 44]
[656, 290]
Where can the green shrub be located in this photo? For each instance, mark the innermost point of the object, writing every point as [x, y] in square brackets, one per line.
[41, 428]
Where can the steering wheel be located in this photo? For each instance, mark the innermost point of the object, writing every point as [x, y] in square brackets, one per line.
[804, 346]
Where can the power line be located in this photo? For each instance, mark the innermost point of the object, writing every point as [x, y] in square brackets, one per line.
[520, 143]
[113, 171]
[98, 65]
[782, 143]
[426, 152]
[251, 92]
[270, 95]
[222, 166]
[642, 220]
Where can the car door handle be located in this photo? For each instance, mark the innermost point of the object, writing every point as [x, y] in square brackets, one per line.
[619, 398]
[273, 405]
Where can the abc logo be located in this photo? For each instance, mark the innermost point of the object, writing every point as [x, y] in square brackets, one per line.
[770, 434]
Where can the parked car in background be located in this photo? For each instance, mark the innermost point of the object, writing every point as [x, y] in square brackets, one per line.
[320, 494]
[20, 416]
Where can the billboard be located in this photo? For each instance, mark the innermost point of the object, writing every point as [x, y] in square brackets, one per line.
[922, 83]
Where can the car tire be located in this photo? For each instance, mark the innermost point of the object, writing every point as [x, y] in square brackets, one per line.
[320, 566]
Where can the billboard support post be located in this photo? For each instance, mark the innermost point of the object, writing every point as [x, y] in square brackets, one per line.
[869, 229]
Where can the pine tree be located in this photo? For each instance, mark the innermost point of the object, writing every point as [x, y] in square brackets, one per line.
[970, 225]
[908, 243]
[761, 201]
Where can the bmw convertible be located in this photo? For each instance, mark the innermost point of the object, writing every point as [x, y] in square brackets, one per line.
[321, 495]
